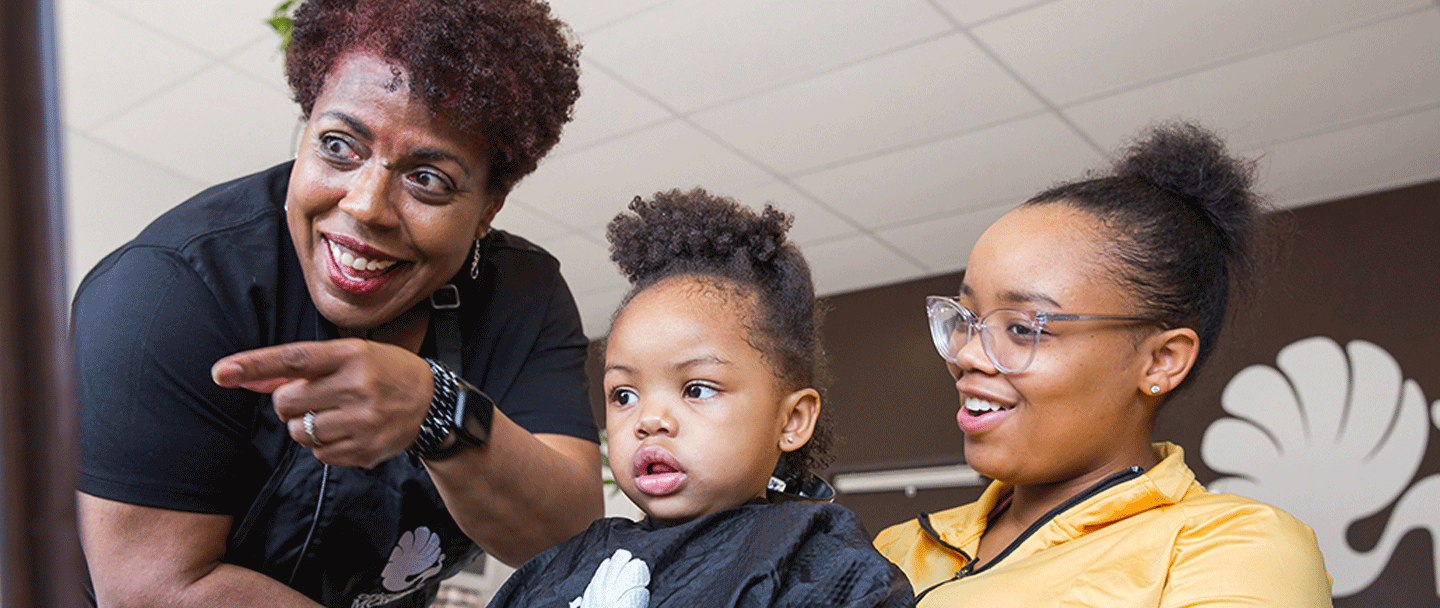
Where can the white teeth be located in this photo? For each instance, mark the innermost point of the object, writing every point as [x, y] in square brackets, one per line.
[981, 406]
[347, 259]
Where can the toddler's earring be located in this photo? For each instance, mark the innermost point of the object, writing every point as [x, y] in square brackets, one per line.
[1154, 389]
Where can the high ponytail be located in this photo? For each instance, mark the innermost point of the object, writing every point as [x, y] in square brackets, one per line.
[1184, 220]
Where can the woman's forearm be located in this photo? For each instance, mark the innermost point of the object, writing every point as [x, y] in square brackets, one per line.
[521, 493]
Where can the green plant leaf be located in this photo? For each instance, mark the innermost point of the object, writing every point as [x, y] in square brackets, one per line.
[282, 20]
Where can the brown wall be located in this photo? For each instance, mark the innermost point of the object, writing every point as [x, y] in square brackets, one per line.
[1366, 268]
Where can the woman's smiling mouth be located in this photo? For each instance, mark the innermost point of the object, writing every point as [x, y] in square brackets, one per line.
[978, 415]
[353, 271]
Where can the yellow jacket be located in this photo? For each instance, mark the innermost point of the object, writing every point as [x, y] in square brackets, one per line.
[1155, 538]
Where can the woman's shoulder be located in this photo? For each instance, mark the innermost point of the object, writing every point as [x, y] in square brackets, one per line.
[225, 246]
[255, 199]
[1234, 544]
[1207, 512]
[207, 232]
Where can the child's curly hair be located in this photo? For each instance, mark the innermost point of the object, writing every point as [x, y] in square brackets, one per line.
[699, 234]
[505, 71]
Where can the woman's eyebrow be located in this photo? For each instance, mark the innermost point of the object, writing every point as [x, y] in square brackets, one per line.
[1016, 296]
[436, 154]
[354, 123]
[1029, 297]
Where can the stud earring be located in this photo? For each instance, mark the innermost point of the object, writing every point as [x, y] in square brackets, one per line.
[1154, 389]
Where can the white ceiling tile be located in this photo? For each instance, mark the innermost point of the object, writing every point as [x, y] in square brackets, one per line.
[694, 53]
[1369, 71]
[519, 218]
[812, 221]
[585, 264]
[1376, 156]
[943, 244]
[146, 134]
[264, 61]
[97, 82]
[915, 94]
[607, 108]
[1074, 49]
[110, 196]
[584, 15]
[856, 263]
[590, 186]
[1003, 164]
[971, 11]
[219, 125]
[217, 27]
[596, 310]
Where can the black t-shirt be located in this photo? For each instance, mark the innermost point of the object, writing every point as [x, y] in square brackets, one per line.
[218, 275]
[789, 554]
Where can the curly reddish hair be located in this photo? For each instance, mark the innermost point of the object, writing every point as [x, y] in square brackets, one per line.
[505, 71]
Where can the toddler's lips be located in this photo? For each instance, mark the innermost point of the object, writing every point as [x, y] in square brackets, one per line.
[657, 472]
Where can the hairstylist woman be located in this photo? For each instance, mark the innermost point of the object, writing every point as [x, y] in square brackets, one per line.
[328, 382]
[1080, 313]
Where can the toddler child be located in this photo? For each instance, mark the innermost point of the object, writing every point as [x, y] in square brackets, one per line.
[711, 381]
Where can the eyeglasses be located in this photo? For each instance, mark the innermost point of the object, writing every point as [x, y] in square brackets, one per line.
[952, 326]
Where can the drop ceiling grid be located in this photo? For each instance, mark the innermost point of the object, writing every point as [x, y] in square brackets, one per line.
[863, 183]
[899, 233]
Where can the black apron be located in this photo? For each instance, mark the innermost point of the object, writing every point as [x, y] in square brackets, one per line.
[349, 537]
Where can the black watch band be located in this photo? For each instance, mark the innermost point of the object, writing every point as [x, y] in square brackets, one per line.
[457, 409]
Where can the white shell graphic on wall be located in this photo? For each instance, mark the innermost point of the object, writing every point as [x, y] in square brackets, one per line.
[1332, 436]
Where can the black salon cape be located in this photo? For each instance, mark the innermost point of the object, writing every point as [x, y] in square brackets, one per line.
[788, 554]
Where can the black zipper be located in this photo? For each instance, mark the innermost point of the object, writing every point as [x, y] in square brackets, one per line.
[969, 568]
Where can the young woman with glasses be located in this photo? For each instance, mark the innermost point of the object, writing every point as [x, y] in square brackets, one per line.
[1080, 313]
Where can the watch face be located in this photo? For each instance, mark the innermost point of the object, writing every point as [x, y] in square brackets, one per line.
[474, 412]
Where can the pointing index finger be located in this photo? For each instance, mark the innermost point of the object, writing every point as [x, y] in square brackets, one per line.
[266, 369]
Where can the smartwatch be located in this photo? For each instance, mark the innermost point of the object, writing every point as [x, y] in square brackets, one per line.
[474, 413]
[460, 417]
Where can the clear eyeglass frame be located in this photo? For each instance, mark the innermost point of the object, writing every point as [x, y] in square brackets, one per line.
[1020, 329]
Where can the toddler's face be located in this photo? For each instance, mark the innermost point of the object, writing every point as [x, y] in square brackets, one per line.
[695, 420]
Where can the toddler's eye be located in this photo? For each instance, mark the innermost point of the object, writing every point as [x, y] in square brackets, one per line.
[624, 396]
[699, 391]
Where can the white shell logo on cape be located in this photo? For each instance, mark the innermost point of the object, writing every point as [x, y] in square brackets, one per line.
[1331, 439]
[416, 558]
[620, 582]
